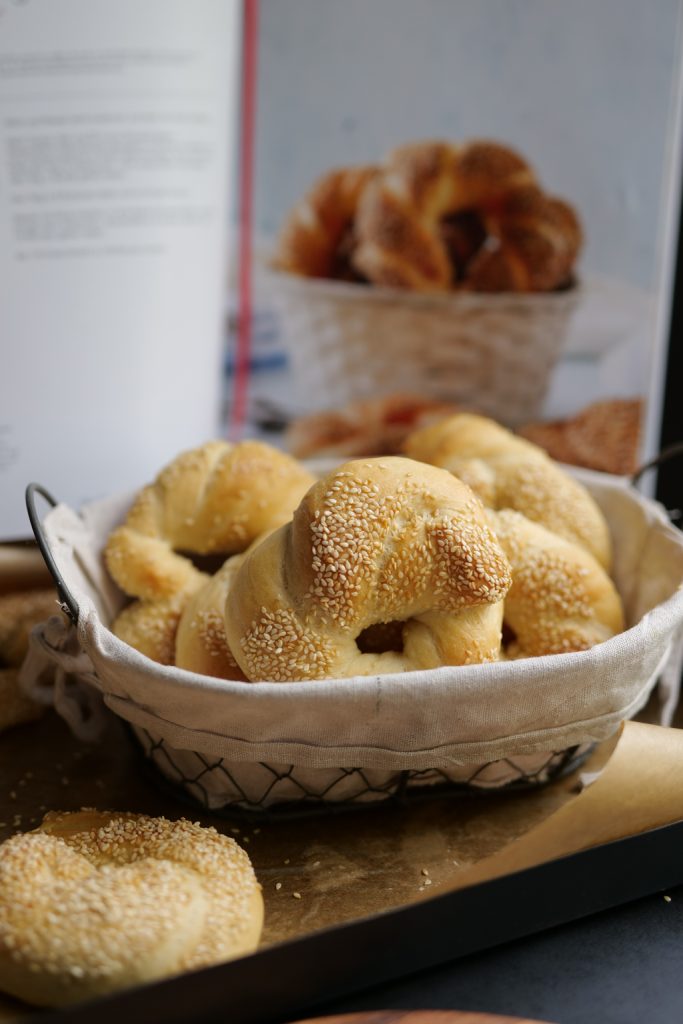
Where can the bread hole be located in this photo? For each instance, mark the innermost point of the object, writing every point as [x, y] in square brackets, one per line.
[463, 235]
[566, 286]
[343, 268]
[381, 637]
[509, 636]
[210, 564]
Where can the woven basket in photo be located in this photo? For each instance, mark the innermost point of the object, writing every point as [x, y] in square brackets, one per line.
[491, 352]
[315, 744]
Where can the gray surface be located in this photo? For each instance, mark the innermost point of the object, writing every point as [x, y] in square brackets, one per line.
[623, 966]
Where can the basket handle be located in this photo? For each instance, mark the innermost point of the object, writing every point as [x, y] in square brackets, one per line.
[66, 598]
[671, 451]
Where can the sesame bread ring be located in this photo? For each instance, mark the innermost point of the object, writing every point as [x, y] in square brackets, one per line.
[151, 626]
[536, 241]
[560, 600]
[377, 541]
[200, 642]
[211, 500]
[315, 236]
[507, 471]
[514, 237]
[96, 901]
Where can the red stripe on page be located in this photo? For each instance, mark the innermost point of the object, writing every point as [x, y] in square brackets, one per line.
[238, 409]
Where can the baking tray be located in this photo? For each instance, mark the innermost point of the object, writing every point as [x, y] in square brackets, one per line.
[316, 961]
[294, 977]
[333, 958]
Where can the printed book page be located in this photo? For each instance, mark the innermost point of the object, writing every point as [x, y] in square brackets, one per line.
[116, 139]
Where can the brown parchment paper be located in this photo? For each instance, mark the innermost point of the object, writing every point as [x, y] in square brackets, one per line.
[327, 869]
[322, 871]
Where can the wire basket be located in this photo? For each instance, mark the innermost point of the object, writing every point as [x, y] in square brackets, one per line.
[218, 784]
[493, 353]
[231, 745]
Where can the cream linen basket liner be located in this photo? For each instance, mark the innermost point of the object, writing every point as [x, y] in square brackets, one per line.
[491, 352]
[253, 745]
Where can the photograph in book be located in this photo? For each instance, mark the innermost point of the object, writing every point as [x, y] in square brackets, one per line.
[439, 206]
[476, 209]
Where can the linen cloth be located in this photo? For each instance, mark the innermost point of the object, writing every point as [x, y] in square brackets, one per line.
[440, 718]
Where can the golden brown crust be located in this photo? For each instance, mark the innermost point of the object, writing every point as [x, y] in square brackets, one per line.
[151, 626]
[509, 472]
[213, 499]
[96, 901]
[310, 240]
[560, 600]
[538, 239]
[378, 540]
[532, 240]
[200, 642]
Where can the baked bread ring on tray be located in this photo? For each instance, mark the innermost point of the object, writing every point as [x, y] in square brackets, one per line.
[317, 237]
[212, 500]
[560, 600]
[507, 471]
[94, 901]
[383, 540]
[441, 216]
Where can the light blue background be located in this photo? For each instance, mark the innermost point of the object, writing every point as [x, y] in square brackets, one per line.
[583, 88]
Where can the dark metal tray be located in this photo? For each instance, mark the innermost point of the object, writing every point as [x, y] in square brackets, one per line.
[292, 978]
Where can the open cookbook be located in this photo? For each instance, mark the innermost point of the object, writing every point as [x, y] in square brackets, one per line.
[194, 228]
[333, 362]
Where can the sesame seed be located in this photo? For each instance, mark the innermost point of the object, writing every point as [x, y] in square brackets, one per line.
[387, 546]
[110, 890]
